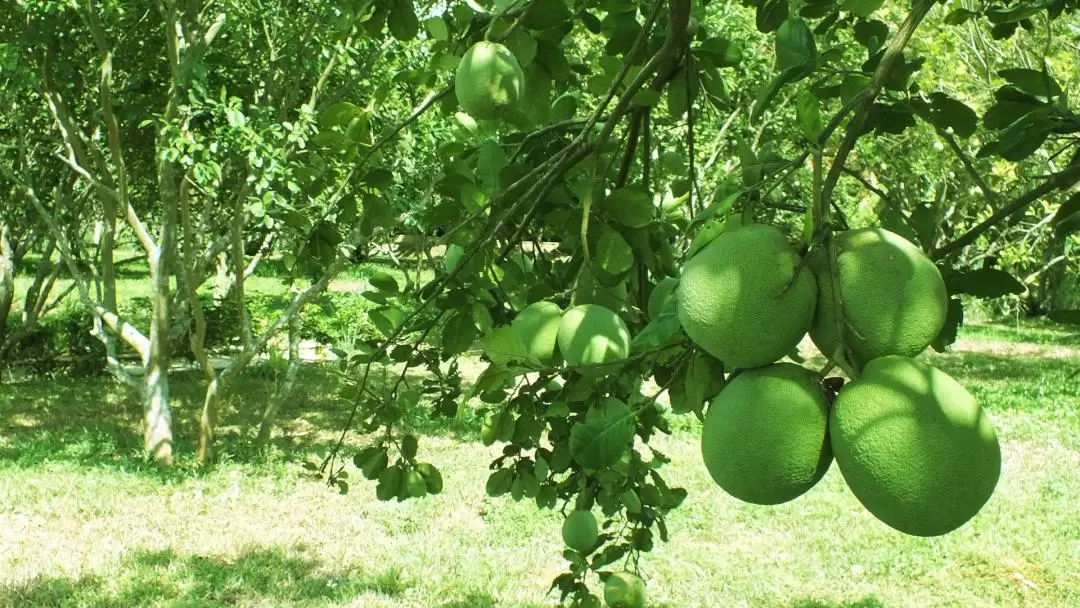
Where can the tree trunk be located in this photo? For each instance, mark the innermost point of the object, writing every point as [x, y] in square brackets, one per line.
[285, 389]
[7, 281]
[158, 415]
[1053, 285]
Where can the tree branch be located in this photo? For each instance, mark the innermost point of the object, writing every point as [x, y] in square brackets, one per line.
[1057, 181]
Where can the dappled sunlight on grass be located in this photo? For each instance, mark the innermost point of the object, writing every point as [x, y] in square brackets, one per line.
[83, 520]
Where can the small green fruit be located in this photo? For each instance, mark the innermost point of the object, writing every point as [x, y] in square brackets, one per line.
[538, 325]
[580, 531]
[624, 590]
[592, 334]
[489, 83]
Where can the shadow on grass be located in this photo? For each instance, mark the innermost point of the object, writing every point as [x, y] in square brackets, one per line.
[258, 576]
[1034, 382]
[96, 422]
[1033, 331]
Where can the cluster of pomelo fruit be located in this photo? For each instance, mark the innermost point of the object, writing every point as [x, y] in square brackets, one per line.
[912, 444]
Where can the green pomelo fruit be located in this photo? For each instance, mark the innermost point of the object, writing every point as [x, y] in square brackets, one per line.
[914, 446]
[489, 82]
[624, 590]
[660, 296]
[894, 298]
[538, 325]
[736, 299]
[764, 439]
[580, 531]
[592, 334]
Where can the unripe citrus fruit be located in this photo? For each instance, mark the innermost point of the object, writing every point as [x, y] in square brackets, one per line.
[580, 531]
[764, 439]
[737, 301]
[489, 82]
[538, 325]
[894, 297]
[592, 334]
[624, 590]
[914, 446]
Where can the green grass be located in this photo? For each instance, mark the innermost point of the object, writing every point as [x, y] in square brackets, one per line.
[84, 523]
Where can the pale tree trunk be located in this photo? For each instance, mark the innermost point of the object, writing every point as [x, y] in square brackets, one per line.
[7, 281]
[156, 409]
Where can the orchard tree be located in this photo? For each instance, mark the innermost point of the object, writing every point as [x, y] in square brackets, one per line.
[577, 183]
[611, 200]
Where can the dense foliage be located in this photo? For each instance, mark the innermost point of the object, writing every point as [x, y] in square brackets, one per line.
[217, 139]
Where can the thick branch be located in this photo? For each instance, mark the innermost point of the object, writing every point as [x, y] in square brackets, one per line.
[893, 54]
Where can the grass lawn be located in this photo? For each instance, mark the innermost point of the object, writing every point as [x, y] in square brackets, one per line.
[84, 524]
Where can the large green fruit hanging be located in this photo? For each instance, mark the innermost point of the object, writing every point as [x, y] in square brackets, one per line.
[894, 297]
[737, 299]
[764, 439]
[914, 446]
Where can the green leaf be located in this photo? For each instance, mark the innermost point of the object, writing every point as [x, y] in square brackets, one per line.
[371, 462]
[409, 445]
[871, 34]
[458, 333]
[660, 331]
[709, 231]
[1020, 139]
[340, 114]
[795, 47]
[564, 108]
[1067, 208]
[948, 113]
[402, 20]
[390, 482]
[677, 100]
[436, 26]
[613, 253]
[862, 8]
[386, 320]
[723, 52]
[492, 160]
[953, 320]
[1011, 105]
[504, 345]
[523, 46]
[984, 283]
[604, 436]
[960, 16]
[646, 98]
[890, 118]
[499, 482]
[379, 178]
[630, 206]
[383, 281]
[808, 115]
[1037, 83]
[691, 385]
[770, 14]
[767, 94]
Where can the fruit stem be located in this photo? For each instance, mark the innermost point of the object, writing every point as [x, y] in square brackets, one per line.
[824, 235]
